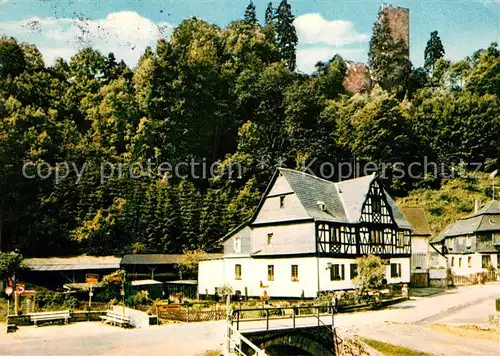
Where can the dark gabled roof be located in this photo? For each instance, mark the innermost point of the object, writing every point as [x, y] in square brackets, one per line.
[344, 200]
[484, 220]
[417, 218]
[310, 189]
[491, 208]
[158, 259]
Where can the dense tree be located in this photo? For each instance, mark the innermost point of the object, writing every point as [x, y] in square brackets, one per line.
[227, 96]
[33, 57]
[388, 60]
[433, 51]
[12, 60]
[287, 35]
[484, 78]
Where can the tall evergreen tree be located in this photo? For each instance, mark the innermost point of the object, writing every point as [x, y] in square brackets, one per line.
[250, 15]
[269, 14]
[388, 59]
[287, 36]
[433, 51]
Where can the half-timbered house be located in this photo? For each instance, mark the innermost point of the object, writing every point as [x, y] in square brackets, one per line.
[472, 243]
[305, 236]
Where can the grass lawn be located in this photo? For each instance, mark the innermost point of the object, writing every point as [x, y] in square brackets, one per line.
[393, 350]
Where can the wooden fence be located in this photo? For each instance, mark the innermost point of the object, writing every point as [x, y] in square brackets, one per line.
[477, 278]
[189, 314]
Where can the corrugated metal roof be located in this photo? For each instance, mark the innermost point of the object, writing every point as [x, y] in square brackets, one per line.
[145, 282]
[158, 259]
[82, 286]
[185, 281]
[72, 263]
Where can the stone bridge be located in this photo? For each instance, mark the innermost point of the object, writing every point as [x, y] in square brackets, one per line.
[305, 340]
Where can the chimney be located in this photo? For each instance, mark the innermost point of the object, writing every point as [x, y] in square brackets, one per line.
[477, 205]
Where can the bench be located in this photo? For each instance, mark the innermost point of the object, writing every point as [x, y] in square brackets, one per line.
[47, 316]
[11, 328]
[114, 318]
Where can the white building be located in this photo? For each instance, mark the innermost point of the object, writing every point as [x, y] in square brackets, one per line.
[424, 255]
[305, 236]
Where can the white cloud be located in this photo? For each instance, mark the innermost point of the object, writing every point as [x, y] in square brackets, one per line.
[3, 2]
[124, 33]
[314, 29]
[308, 57]
[321, 39]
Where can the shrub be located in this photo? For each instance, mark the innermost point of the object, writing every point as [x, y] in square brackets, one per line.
[141, 298]
[56, 301]
[371, 274]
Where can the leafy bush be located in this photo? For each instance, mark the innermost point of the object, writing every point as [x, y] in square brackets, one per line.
[56, 301]
[371, 274]
[142, 298]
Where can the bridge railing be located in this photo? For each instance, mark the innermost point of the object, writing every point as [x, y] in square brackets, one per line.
[272, 313]
[235, 342]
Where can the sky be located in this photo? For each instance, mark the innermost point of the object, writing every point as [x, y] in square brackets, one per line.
[60, 28]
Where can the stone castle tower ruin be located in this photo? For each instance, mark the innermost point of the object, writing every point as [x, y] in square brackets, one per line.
[358, 77]
[398, 19]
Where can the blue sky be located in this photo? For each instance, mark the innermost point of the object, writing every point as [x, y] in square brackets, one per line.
[325, 27]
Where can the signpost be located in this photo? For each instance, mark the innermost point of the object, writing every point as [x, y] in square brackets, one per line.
[8, 290]
[91, 279]
[17, 292]
[20, 289]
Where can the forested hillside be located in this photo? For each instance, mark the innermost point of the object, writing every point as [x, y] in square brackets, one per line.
[227, 95]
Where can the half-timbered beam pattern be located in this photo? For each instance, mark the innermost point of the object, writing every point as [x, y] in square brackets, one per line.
[375, 209]
[355, 240]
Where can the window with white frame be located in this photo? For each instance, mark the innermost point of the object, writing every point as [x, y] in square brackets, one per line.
[486, 261]
[496, 238]
[468, 241]
[469, 262]
[237, 244]
[337, 272]
[395, 270]
[449, 243]
[270, 272]
[295, 273]
[237, 272]
[461, 240]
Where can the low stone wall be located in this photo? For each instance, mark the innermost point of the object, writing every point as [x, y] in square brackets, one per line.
[438, 283]
[351, 345]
